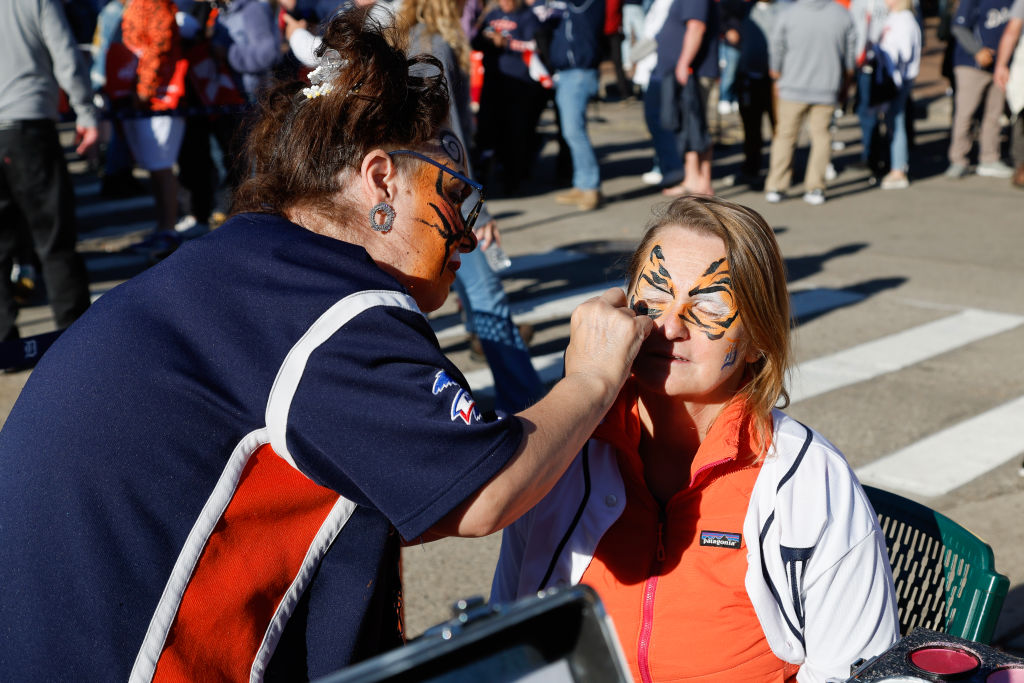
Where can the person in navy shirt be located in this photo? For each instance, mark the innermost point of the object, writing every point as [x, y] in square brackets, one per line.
[977, 26]
[210, 476]
[687, 67]
[511, 100]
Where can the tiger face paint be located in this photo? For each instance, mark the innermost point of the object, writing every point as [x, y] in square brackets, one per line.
[698, 339]
[438, 232]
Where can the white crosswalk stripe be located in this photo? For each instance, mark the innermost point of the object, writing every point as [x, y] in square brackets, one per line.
[948, 459]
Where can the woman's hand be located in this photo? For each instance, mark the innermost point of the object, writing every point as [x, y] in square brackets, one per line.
[486, 234]
[605, 336]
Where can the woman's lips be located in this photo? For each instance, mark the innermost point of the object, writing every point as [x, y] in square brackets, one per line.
[664, 355]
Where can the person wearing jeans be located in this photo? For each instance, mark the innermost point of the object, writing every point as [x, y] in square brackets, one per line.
[901, 53]
[575, 55]
[516, 383]
[573, 89]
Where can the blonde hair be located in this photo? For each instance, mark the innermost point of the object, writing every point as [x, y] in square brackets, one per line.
[437, 16]
[758, 276]
[902, 5]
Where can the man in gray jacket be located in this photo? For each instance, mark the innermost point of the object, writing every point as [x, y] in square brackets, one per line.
[813, 51]
[37, 54]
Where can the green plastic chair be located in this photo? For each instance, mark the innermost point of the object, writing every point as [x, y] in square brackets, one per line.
[945, 576]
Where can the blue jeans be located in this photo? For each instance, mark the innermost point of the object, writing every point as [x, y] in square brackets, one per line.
[866, 114]
[729, 58]
[573, 89]
[896, 124]
[666, 150]
[516, 383]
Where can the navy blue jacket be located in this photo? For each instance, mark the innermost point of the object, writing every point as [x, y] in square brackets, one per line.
[576, 43]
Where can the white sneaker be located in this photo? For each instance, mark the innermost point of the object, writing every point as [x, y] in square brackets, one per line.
[189, 224]
[773, 197]
[830, 172]
[652, 177]
[724, 107]
[815, 197]
[994, 169]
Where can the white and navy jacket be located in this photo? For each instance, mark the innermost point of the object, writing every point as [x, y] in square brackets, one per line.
[818, 573]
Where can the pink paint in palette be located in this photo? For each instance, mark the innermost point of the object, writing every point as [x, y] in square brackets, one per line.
[926, 656]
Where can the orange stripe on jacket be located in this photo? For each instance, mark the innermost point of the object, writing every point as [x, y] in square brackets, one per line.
[247, 566]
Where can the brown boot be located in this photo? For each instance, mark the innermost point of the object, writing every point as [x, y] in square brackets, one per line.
[573, 196]
[590, 200]
[1018, 176]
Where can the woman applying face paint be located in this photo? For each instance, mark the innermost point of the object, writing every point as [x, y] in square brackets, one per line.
[727, 541]
[211, 474]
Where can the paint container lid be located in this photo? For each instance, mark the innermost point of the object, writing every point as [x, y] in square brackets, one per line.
[943, 660]
[1009, 674]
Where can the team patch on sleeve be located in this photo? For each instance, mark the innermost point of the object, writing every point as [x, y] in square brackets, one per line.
[463, 406]
[721, 539]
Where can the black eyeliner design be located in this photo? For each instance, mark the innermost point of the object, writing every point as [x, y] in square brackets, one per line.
[447, 232]
[710, 282]
[660, 279]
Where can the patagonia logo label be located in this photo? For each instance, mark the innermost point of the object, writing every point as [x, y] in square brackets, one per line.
[720, 539]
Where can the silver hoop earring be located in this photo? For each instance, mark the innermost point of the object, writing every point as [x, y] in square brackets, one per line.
[389, 217]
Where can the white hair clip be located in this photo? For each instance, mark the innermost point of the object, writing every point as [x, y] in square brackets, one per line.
[321, 78]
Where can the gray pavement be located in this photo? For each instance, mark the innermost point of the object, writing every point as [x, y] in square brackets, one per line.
[931, 275]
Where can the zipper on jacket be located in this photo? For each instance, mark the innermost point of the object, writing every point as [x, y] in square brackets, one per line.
[647, 611]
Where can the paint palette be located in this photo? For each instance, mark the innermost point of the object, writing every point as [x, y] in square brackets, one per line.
[925, 656]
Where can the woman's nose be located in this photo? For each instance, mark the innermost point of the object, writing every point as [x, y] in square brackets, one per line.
[672, 324]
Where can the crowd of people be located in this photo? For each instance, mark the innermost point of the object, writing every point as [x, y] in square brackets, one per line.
[229, 450]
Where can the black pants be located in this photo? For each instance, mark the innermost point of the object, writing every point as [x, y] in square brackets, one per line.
[35, 188]
[197, 171]
[755, 100]
[507, 123]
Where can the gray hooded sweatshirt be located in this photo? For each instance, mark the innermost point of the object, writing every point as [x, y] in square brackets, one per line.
[38, 54]
[813, 44]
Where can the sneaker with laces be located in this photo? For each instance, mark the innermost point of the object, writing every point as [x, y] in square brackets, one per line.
[815, 197]
[773, 197]
[994, 169]
[956, 171]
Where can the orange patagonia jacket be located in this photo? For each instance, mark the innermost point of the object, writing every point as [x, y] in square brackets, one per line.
[672, 577]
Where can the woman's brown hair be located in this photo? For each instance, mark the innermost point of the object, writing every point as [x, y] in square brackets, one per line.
[758, 276]
[379, 99]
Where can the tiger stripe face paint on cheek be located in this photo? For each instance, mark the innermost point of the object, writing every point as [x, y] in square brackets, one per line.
[712, 307]
[449, 224]
[655, 278]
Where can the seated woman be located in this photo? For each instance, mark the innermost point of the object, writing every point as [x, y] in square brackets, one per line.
[229, 449]
[728, 541]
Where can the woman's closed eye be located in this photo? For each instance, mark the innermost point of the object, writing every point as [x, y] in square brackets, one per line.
[712, 309]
